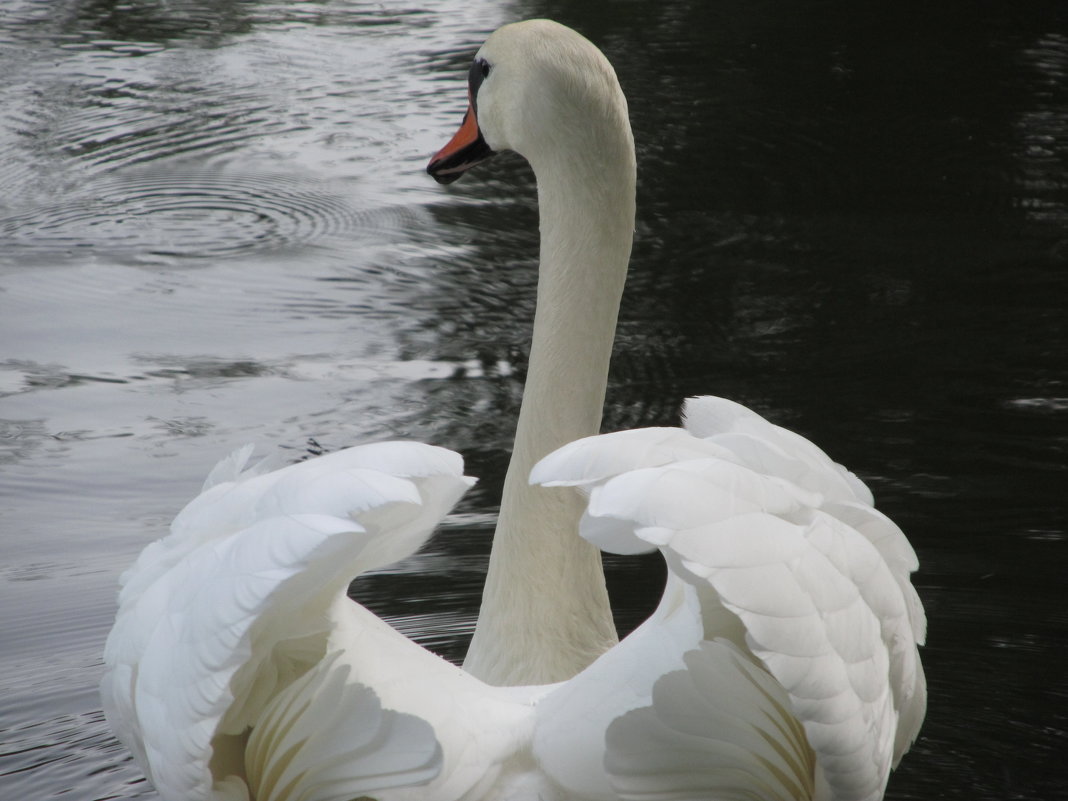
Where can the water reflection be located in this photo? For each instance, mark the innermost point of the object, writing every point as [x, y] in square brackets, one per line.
[211, 226]
[1042, 135]
[184, 213]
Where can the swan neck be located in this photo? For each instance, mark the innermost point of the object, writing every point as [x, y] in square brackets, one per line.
[545, 613]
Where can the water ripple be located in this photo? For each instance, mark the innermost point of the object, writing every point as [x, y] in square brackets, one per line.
[191, 214]
[101, 137]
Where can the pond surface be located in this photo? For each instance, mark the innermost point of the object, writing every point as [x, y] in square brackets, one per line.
[216, 229]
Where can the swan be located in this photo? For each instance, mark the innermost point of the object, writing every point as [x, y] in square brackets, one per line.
[781, 662]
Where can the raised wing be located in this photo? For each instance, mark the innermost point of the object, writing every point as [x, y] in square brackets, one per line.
[807, 620]
[222, 623]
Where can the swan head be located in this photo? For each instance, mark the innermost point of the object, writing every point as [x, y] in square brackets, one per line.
[542, 90]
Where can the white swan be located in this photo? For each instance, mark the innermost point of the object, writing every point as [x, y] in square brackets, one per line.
[780, 664]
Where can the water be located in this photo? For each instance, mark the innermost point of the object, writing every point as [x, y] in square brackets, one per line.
[215, 229]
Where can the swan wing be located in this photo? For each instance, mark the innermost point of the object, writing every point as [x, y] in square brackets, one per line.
[225, 625]
[793, 672]
[770, 448]
[846, 500]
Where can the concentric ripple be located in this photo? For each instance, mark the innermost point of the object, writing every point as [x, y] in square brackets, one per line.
[188, 215]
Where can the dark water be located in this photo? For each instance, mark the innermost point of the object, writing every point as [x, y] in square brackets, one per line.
[215, 229]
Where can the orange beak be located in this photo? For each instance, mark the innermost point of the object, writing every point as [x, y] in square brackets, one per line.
[466, 149]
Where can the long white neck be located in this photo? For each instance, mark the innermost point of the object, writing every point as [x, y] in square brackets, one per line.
[545, 610]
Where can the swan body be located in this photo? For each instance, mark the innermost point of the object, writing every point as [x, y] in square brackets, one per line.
[781, 662]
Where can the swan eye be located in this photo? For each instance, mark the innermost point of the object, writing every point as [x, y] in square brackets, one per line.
[480, 70]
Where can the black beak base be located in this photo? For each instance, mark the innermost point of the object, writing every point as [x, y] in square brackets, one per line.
[446, 169]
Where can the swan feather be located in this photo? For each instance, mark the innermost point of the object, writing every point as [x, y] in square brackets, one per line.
[215, 619]
[822, 609]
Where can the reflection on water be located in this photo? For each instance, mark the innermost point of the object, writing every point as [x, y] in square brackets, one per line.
[216, 229]
[193, 214]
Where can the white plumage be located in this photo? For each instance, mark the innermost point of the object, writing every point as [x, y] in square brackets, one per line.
[782, 660]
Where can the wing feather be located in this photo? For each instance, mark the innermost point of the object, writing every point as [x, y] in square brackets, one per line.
[721, 728]
[327, 737]
[221, 616]
[789, 566]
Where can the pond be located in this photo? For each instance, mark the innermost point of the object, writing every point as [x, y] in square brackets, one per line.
[216, 229]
